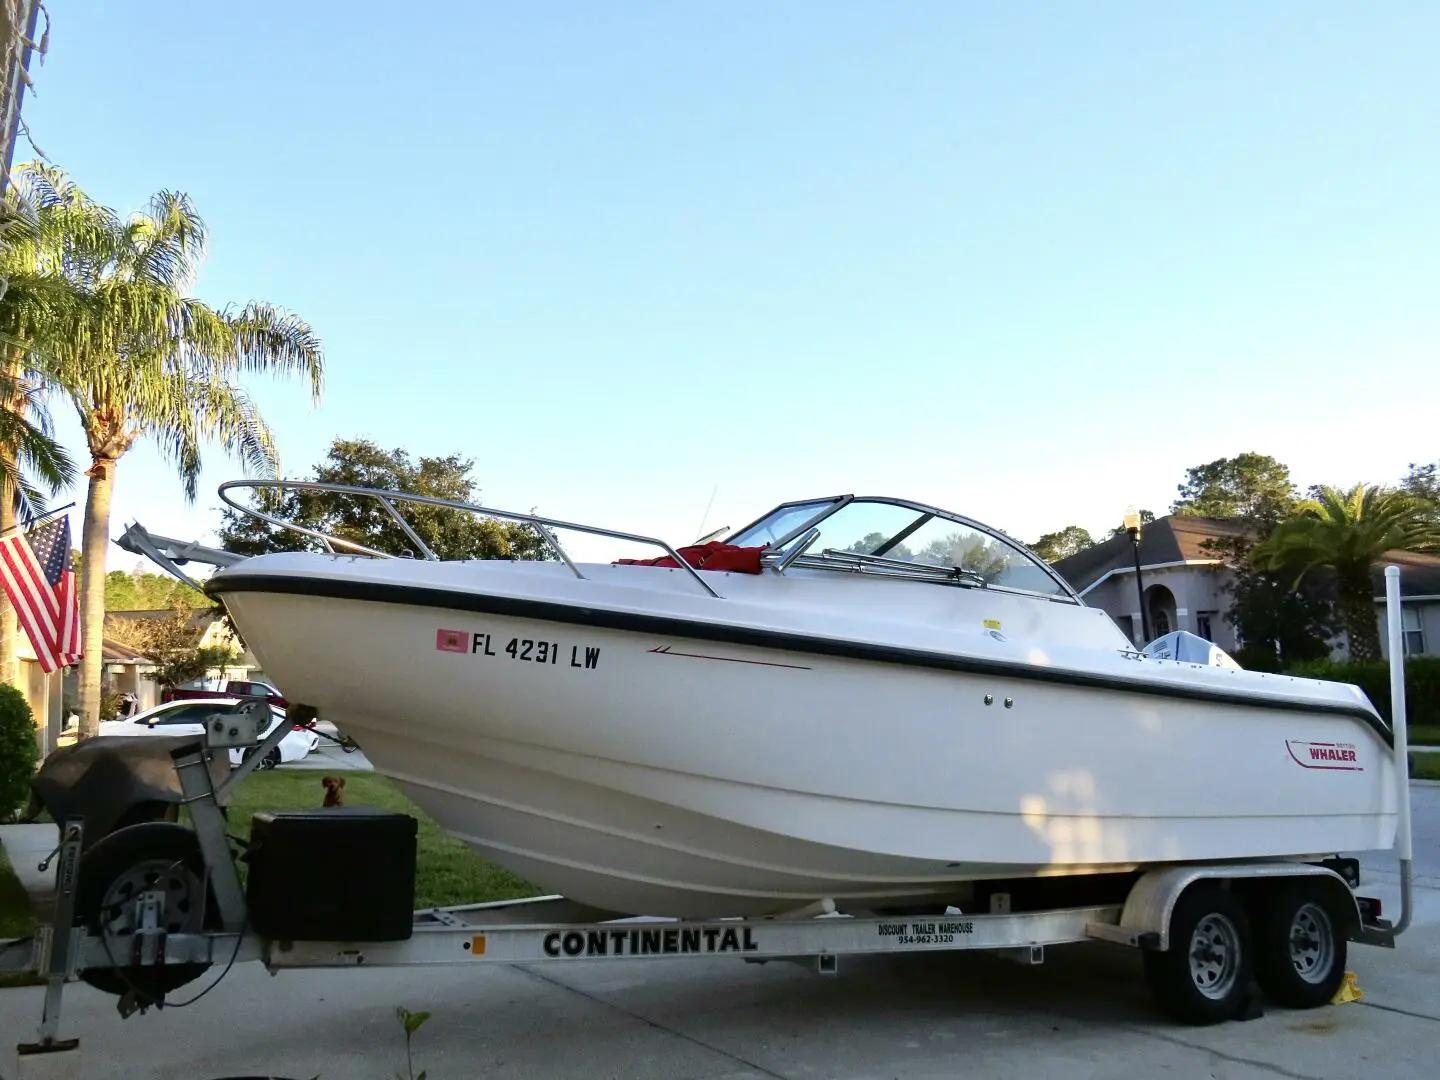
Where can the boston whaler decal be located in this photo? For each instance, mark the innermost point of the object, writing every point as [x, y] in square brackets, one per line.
[530, 650]
[1331, 756]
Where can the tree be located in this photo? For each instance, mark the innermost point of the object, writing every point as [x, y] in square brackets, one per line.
[1423, 483]
[18, 752]
[1346, 533]
[138, 356]
[450, 533]
[173, 642]
[139, 591]
[1247, 485]
[31, 294]
[1278, 623]
[967, 550]
[872, 542]
[1070, 540]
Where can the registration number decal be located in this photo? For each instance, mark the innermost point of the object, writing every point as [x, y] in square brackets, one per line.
[523, 649]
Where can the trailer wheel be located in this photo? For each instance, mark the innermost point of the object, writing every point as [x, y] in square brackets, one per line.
[1204, 977]
[1301, 950]
[156, 856]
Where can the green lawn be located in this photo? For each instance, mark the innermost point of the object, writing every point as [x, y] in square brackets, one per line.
[16, 920]
[446, 872]
[1423, 734]
[1427, 767]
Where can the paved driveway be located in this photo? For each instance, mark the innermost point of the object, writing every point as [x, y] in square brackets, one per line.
[1084, 1014]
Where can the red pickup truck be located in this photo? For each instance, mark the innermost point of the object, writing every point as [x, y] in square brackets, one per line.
[233, 688]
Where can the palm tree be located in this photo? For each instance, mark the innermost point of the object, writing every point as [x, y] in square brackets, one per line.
[1347, 533]
[139, 357]
[30, 458]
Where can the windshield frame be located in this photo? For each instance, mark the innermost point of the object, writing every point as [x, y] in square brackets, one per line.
[830, 505]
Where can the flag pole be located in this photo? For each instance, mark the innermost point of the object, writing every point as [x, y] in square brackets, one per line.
[38, 517]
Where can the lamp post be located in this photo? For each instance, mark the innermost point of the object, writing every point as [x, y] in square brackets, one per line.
[1132, 526]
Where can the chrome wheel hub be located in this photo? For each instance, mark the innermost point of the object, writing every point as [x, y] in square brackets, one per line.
[1214, 956]
[1312, 943]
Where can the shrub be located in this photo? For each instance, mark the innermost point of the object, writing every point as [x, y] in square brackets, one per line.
[109, 704]
[1422, 683]
[18, 752]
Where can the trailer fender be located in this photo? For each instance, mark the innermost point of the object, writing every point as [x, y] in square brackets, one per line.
[1145, 919]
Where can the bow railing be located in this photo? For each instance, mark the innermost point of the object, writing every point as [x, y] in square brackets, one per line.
[389, 499]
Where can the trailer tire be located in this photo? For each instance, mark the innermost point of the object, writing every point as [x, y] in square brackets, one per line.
[1204, 977]
[1300, 952]
[152, 848]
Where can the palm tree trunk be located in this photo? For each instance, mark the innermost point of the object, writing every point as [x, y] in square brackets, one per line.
[1357, 615]
[96, 538]
[9, 622]
[9, 474]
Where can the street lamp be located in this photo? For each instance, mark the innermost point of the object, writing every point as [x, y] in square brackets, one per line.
[1132, 526]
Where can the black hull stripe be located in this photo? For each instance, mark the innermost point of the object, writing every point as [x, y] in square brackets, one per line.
[663, 626]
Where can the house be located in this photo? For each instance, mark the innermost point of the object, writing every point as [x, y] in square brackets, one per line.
[1184, 585]
[126, 668]
[42, 691]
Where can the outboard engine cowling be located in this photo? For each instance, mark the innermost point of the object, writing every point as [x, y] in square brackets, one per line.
[1190, 648]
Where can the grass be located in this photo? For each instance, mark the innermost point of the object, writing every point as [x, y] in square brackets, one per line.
[1423, 734]
[447, 872]
[16, 920]
[1427, 767]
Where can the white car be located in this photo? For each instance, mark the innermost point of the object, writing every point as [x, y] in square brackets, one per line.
[188, 716]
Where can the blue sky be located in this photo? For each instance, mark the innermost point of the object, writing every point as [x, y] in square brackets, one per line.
[1026, 261]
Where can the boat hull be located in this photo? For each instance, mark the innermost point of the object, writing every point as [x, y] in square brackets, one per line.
[661, 774]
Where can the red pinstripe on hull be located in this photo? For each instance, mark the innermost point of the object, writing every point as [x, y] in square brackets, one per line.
[666, 650]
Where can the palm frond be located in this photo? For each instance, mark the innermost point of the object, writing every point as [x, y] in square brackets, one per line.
[268, 340]
[226, 413]
[167, 243]
[104, 317]
[30, 443]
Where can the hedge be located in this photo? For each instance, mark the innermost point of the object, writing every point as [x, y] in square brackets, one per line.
[1422, 683]
[18, 752]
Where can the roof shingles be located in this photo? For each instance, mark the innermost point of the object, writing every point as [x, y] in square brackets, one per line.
[1178, 538]
[1167, 540]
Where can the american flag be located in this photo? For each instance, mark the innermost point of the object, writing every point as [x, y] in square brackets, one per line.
[39, 576]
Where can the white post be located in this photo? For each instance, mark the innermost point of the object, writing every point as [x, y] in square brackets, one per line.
[1403, 845]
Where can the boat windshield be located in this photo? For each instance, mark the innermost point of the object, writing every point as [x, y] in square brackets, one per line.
[781, 522]
[906, 533]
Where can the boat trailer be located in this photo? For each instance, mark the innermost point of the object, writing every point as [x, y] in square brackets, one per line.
[123, 920]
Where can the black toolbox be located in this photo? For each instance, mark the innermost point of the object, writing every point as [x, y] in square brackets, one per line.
[340, 873]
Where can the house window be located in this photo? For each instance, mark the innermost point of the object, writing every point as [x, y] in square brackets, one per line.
[1411, 628]
[1203, 625]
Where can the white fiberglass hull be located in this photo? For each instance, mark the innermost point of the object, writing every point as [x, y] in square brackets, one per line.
[653, 773]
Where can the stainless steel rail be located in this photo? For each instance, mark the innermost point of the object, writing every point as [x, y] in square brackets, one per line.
[388, 499]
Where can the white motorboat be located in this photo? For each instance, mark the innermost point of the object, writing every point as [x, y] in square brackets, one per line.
[864, 700]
